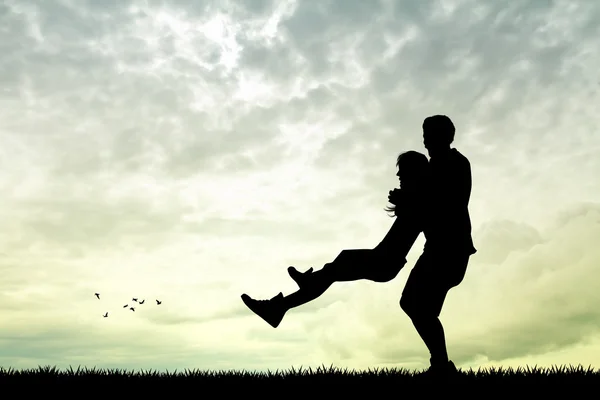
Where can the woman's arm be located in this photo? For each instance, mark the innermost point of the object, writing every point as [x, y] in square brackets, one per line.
[406, 227]
[395, 196]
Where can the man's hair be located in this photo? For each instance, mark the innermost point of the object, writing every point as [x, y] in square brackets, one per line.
[440, 124]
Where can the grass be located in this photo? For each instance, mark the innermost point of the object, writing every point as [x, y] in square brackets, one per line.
[302, 380]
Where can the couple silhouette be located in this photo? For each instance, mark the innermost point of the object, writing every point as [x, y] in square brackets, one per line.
[433, 198]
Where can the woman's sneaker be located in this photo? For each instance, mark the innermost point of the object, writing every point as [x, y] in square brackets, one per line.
[301, 278]
[272, 311]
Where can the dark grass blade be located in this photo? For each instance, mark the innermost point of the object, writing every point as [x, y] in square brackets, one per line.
[305, 380]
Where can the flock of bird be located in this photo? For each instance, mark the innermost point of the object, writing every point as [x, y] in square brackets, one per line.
[158, 303]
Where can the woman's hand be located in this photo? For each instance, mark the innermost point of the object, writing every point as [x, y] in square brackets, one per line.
[394, 196]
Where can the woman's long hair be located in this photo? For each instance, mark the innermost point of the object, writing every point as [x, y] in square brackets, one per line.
[414, 167]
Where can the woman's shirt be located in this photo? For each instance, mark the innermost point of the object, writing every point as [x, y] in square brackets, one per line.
[406, 227]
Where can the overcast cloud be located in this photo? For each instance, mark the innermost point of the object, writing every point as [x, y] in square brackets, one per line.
[191, 152]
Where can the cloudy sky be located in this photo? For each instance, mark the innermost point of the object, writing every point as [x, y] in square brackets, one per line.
[192, 152]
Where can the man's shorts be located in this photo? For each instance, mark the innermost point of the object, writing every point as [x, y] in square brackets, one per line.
[434, 274]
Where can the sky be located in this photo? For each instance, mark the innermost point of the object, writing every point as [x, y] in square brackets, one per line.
[190, 152]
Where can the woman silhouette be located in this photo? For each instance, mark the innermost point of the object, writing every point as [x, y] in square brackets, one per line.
[380, 264]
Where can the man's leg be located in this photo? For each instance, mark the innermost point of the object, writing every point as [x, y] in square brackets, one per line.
[423, 298]
[420, 300]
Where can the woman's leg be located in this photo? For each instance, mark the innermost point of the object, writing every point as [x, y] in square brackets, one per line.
[349, 265]
[380, 264]
[371, 264]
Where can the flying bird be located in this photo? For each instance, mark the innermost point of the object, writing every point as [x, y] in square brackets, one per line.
[132, 309]
[97, 295]
[105, 315]
[158, 303]
[125, 306]
[142, 302]
[134, 299]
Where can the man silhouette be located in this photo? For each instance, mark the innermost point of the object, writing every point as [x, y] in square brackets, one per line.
[448, 242]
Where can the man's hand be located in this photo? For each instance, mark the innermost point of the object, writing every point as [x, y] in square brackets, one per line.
[394, 196]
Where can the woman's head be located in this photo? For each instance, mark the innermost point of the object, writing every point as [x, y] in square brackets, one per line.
[412, 172]
[412, 168]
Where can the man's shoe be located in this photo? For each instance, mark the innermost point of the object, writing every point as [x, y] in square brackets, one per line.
[441, 371]
[301, 278]
[271, 310]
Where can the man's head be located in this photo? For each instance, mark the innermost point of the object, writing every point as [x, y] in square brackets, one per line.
[438, 134]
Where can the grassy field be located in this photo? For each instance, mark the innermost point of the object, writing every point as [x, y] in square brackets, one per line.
[304, 381]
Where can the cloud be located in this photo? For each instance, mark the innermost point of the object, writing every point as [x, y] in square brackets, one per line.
[526, 294]
[497, 239]
[110, 348]
[166, 148]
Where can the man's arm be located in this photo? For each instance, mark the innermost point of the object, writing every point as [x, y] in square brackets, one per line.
[464, 182]
[455, 189]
